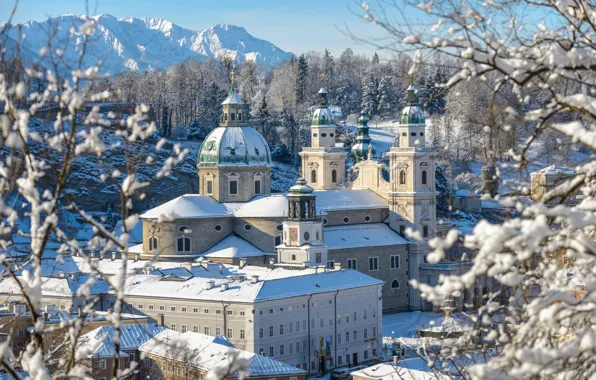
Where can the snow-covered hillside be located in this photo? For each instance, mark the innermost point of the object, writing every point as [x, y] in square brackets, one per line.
[141, 44]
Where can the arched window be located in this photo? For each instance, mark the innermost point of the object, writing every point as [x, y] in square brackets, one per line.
[152, 243]
[313, 176]
[183, 244]
[240, 116]
[226, 116]
[424, 177]
[402, 177]
[232, 116]
[334, 176]
[394, 284]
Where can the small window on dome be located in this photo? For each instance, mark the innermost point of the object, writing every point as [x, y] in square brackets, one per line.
[331, 135]
[247, 227]
[232, 116]
[367, 218]
[307, 236]
[280, 227]
[225, 117]
[413, 133]
[239, 116]
[421, 133]
[218, 227]
[346, 220]
[323, 135]
[325, 221]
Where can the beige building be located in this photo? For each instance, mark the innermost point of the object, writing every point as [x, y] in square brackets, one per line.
[546, 179]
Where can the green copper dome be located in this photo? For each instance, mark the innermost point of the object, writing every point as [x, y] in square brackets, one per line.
[323, 115]
[360, 148]
[412, 113]
[234, 146]
[301, 187]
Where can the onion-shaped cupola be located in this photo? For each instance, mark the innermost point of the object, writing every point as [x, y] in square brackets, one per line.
[412, 126]
[360, 149]
[323, 114]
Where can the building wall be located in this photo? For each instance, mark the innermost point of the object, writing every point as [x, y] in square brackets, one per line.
[188, 315]
[246, 182]
[262, 232]
[323, 161]
[202, 233]
[393, 299]
[305, 313]
[336, 218]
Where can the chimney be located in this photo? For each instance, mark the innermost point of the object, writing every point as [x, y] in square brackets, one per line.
[209, 284]
[137, 257]
[113, 256]
[72, 276]
[254, 279]
[188, 267]
[313, 270]
[322, 268]
[395, 359]
[224, 286]
[205, 264]
[271, 261]
[161, 319]
[337, 266]
[242, 263]
[62, 275]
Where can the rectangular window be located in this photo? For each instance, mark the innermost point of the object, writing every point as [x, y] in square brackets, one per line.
[207, 332]
[230, 312]
[242, 334]
[271, 351]
[374, 332]
[281, 329]
[230, 333]
[304, 324]
[321, 323]
[338, 338]
[151, 307]
[373, 263]
[365, 313]
[172, 308]
[365, 355]
[347, 337]
[339, 319]
[218, 311]
[394, 262]
[260, 333]
[352, 264]
[173, 326]
[365, 333]
[355, 335]
[425, 231]
[141, 306]
[242, 313]
[270, 330]
[195, 329]
[162, 307]
[209, 187]
[257, 187]
[195, 309]
[312, 323]
[290, 327]
[297, 325]
[339, 360]
[297, 347]
[102, 364]
[206, 311]
[281, 349]
[233, 187]
[183, 329]
[218, 331]
[402, 230]
[330, 264]
[355, 316]
[291, 348]
[184, 310]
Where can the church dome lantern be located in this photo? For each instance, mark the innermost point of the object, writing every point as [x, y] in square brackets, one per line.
[323, 114]
[412, 113]
[302, 205]
[363, 143]
[412, 124]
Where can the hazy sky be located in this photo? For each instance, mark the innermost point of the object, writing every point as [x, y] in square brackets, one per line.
[297, 25]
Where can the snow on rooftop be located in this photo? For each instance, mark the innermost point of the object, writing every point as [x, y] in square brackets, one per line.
[233, 246]
[409, 369]
[99, 343]
[233, 98]
[553, 169]
[361, 235]
[56, 286]
[213, 353]
[273, 206]
[190, 206]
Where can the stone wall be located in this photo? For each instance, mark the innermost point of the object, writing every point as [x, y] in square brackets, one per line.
[261, 233]
[336, 218]
[246, 182]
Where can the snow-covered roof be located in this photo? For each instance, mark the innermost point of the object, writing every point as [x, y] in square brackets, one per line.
[233, 98]
[276, 206]
[190, 206]
[233, 246]
[234, 146]
[57, 286]
[402, 371]
[99, 343]
[274, 283]
[553, 170]
[212, 354]
[361, 235]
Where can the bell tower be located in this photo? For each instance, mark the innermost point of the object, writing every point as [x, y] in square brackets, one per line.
[412, 195]
[324, 163]
[303, 231]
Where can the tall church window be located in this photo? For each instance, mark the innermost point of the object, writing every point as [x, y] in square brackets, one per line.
[313, 176]
[334, 176]
[402, 177]
[226, 116]
[183, 241]
[318, 259]
[209, 187]
[240, 116]
[257, 187]
[394, 284]
[152, 243]
[425, 231]
[424, 177]
[232, 116]
[233, 187]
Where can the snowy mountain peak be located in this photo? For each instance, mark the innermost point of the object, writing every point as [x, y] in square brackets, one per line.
[147, 43]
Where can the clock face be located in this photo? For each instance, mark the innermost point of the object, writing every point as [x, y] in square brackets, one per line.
[293, 234]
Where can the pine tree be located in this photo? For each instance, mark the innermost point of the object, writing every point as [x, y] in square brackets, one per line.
[110, 222]
[264, 116]
[301, 76]
[375, 59]
[384, 97]
[369, 95]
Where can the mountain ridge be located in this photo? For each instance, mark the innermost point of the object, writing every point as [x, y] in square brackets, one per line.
[143, 43]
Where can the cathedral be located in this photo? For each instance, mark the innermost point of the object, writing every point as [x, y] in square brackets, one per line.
[325, 220]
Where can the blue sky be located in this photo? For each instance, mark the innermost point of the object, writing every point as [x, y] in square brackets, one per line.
[297, 26]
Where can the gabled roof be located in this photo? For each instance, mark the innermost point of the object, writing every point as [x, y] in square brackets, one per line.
[553, 169]
[209, 353]
[58, 286]
[99, 343]
[361, 235]
[233, 246]
[190, 206]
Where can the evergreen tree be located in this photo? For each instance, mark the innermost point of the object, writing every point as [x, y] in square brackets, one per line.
[384, 97]
[375, 59]
[110, 222]
[369, 95]
[301, 76]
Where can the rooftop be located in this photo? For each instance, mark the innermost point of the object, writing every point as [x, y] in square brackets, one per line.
[553, 169]
[212, 354]
[99, 343]
[233, 246]
[190, 206]
[361, 235]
